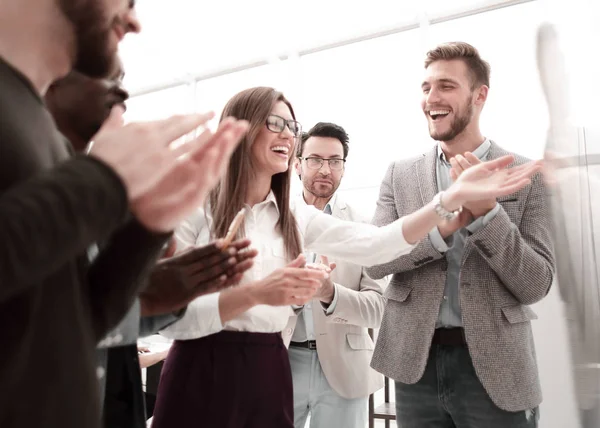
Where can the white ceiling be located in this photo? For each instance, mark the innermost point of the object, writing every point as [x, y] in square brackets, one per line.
[183, 37]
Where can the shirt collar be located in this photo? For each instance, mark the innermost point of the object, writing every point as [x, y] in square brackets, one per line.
[480, 152]
[270, 199]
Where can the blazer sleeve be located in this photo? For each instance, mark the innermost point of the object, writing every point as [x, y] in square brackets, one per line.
[526, 248]
[362, 307]
[53, 218]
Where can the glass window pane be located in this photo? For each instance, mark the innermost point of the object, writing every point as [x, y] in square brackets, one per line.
[161, 104]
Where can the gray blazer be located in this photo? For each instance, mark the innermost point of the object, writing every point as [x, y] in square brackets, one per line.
[506, 266]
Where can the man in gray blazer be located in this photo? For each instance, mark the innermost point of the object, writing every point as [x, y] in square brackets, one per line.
[456, 334]
[330, 347]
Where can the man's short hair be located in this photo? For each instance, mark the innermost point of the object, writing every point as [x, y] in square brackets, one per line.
[480, 69]
[325, 129]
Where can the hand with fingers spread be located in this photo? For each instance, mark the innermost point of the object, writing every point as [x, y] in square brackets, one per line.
[459, 165]
[488, 180]
[327, 290]
[141, 153]
[291, 285]
[185, 188]
[165, 183]
[176, 281]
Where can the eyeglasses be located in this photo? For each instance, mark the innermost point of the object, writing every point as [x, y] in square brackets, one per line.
[335, 164]
[278, 124]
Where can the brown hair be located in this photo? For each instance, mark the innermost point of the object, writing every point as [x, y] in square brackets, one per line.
[480, 69]
[253, 105]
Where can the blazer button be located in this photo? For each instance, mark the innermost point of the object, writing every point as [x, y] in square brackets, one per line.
[444, 266]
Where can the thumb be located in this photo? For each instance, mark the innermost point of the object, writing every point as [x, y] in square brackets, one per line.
[114, 120]
[332, 266]
[298, 262]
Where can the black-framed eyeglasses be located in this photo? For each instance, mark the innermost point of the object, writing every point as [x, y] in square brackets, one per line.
[278, 124]
[335, 164]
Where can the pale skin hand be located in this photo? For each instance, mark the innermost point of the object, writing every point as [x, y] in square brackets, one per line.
[185, 188]
[461, 163]
[165, 184]
[480, 182]
[489, 180]
[327, 290]
[291, 285]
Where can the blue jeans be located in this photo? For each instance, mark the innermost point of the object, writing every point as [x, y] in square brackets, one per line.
[449, 395]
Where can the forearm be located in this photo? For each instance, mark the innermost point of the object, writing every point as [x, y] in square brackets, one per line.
[235, 301]
[147, 360]
[421, 255]
[417, 225]
[119, 272]
[54, 217]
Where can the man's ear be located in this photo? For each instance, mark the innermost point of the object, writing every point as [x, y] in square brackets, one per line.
[298, 168]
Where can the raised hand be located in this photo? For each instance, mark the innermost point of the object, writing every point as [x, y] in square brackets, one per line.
[327, 291]
[180, 192]
[141, 153]
[164, 182]
[488, 180]
[461, 163]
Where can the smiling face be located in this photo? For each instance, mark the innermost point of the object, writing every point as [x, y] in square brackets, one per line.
[450, 102]
[322, 182]
[99, 26]
[271, 151]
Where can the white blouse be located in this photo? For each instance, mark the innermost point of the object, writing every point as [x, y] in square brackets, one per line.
[357, 243]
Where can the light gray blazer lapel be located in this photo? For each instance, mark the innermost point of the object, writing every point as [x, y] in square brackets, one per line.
[425, 170]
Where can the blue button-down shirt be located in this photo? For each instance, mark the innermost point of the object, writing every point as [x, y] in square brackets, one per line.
[454, 246]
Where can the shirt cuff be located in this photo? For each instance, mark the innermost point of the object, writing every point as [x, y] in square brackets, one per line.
[330, 308]
[481, 222]
[437, 241]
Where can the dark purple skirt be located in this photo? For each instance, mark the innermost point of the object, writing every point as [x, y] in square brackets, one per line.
[226, 380]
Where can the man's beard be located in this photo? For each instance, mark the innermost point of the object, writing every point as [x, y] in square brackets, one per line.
[312, 189]
[458, 125]
[92, 36]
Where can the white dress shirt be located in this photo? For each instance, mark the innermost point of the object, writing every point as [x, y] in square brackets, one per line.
[357, 243]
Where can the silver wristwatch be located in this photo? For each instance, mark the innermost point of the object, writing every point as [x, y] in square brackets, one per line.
[441, 211]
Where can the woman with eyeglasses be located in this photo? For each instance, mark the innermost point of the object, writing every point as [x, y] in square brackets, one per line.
[228, 366]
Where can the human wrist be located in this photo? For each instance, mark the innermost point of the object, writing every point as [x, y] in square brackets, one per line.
[253, 292]
[451, 199]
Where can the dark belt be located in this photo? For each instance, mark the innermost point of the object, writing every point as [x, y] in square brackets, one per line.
[309, 344]
[449, 337]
